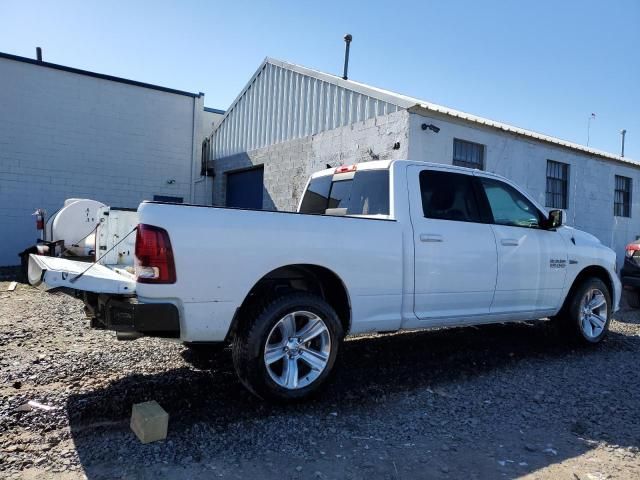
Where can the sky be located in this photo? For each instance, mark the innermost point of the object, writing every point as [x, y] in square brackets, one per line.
[544, 65]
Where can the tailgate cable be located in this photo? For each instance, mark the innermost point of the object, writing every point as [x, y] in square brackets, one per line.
[75, 244]
[103, 255]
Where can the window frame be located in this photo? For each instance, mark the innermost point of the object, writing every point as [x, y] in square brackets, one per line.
[622, 209]
[565, 169]
[464, 163]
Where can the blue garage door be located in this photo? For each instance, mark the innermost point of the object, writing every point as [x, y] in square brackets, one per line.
[244, 189]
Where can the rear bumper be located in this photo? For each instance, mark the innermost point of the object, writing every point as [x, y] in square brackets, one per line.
[131, 319]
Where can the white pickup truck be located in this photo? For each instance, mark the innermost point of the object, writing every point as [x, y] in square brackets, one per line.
[374, 247]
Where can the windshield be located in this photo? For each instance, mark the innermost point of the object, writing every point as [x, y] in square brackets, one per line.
[366, 193]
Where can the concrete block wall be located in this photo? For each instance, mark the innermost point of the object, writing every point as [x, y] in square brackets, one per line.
[66, 135]
[524, 161]
[287, 165]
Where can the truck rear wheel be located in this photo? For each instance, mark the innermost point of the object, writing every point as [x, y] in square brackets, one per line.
[287, 350]
[587, 314]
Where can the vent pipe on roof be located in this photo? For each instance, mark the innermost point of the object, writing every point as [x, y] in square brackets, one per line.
[347, 41]
[39, 54]
[623, 133]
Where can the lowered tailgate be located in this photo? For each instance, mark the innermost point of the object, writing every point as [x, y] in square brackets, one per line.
[52, 272]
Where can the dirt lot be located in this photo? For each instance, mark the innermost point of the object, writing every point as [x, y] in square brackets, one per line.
[505, 401]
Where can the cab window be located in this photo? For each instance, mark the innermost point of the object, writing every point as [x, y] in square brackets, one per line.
[366, 193]
[449, 196]
[510, 207]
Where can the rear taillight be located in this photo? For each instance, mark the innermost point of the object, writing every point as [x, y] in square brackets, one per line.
[345, 169]
[154, 257]
[632, 248]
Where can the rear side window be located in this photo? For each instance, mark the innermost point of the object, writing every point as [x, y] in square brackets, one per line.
[366, 193]
[449, 196]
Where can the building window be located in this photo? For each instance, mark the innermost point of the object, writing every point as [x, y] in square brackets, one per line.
[622, 197]
[557, 184]
[468, 154]
[204, 157]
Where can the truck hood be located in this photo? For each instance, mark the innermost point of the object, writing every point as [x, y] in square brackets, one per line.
[579, 237]
[589, 246]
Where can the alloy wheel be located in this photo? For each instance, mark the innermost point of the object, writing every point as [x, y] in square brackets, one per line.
[297, 350]
[593, 313]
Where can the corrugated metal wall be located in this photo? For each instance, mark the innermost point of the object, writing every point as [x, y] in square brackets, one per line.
[281, 104]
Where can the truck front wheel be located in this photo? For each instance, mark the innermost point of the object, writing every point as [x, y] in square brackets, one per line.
[587, 314]
[287, 350]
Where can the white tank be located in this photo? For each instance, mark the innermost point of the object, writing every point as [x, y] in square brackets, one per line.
[75, 223]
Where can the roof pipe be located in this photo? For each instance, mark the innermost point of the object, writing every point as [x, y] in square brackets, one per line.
[39, 54]
[623, 133]
[347, 41]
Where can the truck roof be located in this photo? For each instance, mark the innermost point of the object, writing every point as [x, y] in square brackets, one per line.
[385, 164]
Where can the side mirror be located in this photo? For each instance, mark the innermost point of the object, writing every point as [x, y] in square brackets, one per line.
[556, 218]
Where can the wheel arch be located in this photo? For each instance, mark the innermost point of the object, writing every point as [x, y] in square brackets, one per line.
[312, 278]
[596, 271]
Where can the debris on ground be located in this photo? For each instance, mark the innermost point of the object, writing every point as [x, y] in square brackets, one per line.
[32, 404]
[442, 404]
[149, 421]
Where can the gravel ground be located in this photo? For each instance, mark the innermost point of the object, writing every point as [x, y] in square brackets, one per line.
[503, 401]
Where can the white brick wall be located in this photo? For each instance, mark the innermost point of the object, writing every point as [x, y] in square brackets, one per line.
[67, 135]
[591, 179]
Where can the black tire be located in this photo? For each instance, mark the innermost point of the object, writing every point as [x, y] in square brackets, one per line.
[570, 319]
[251, 338]
[633, 297]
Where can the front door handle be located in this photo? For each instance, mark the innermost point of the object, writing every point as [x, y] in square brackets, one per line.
[430, 237]
[510, 242]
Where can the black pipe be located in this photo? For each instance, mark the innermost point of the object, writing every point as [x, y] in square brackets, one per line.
[39, 54]
[347, 40]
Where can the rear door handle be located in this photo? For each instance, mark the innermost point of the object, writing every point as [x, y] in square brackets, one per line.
[510, 242]
[430, 237]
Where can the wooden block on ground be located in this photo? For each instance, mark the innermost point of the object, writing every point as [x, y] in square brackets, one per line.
[149, 421]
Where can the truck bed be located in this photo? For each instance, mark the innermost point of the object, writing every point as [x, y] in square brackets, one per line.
[220, 253]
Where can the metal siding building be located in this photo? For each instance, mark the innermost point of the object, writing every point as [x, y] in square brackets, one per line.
[282, 102]
[290, 121]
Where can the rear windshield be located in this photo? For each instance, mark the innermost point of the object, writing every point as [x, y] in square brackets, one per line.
[367, 193]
